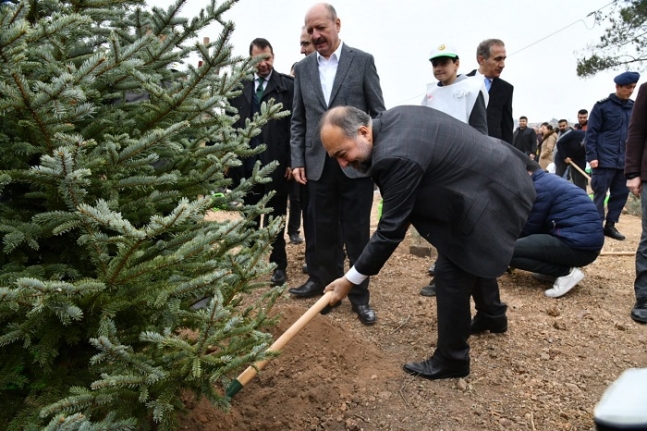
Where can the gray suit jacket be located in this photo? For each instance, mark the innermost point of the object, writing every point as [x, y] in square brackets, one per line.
[466, 193]
[356, 84]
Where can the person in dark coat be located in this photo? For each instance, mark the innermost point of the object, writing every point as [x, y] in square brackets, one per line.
[563, 233]
[268, 84]
[570, 148]
[491, 55]
[636, 174]
[453, 184]
[605, 140]
[524, 138]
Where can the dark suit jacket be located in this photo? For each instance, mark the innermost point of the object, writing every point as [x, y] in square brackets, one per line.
[525, 140]
[275, 134]
[499, 109]
[356, 84]
[466, 193]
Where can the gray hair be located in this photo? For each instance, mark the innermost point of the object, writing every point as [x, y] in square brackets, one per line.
[485, 48]
[348, 118]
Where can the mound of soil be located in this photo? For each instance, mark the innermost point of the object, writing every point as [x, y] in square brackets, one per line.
[546, 373]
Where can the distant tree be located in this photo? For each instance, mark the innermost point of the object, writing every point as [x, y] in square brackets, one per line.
[624, 41]
[117, 298]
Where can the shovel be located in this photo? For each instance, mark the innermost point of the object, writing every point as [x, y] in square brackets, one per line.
[252, 370]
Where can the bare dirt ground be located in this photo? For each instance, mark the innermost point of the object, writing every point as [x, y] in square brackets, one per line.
[546, 373]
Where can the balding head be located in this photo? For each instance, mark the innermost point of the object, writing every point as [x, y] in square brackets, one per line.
[323, 25]
[347, 135]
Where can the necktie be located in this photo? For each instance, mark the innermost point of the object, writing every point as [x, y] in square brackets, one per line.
[259, 90]
[488, 84]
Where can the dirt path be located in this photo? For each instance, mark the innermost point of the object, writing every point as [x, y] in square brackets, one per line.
[546, 373]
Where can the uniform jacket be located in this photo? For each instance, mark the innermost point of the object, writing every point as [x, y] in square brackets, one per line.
[356, 84]
[275, 134]
[565, 211]
[606, 134]
[636, 160]
[466, 193]
[525, 140]
[499, 109]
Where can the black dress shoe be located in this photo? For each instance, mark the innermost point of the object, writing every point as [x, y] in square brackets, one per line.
[307, 290]
[639, 312]
[611, 231]
[295, 238]
[279, 278]
[365, 313]
[429, 290]
[495, 325]
[432, 269]
[304, 268]
[429, 370]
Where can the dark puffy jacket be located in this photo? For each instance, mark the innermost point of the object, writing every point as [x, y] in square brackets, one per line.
[565, 211]
[606, 133]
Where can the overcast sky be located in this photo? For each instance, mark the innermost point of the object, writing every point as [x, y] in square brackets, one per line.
[401, 33]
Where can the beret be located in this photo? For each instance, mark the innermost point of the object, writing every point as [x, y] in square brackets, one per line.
[627, 78]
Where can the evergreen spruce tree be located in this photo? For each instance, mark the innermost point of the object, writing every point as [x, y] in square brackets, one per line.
[105, 180]
[623, 43]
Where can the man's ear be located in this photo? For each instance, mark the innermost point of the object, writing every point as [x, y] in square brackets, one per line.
[365, 132]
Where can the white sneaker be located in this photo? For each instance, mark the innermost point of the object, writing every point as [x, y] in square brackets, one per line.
[543, 277]
[564, 284]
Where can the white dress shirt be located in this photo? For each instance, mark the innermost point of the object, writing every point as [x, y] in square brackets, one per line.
[328, 70]
[265, 81]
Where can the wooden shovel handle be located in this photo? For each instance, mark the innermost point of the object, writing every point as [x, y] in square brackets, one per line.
[618, 253]
[580, 171]
[284, 339]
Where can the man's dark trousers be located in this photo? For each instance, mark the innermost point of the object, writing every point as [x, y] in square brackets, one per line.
[548, 255]
[311, 238]
[453, 289]
[336, 197]
[614, 180]
[640, 284]
[294, 219]
[279, 203]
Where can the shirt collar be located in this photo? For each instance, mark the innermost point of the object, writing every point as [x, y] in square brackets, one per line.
[266, 79]
[336, 54]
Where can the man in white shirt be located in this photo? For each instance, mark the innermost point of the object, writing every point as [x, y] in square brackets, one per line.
[337, 75]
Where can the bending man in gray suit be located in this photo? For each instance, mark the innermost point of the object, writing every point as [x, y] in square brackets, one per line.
[336, 75]
[466, 193]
